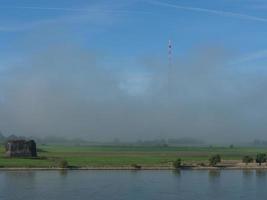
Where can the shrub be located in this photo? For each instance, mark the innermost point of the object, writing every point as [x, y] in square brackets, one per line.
[63, 164]
[136, 166]
[247, 159]
[177, 163]
[261, 158]
[214, 160]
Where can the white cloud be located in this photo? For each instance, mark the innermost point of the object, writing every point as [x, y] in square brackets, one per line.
[97, 14]
[211, 11]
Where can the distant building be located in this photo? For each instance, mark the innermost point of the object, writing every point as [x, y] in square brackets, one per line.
[21, 148]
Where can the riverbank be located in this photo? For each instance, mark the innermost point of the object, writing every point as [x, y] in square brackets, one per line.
[222, 166]
[131, 157]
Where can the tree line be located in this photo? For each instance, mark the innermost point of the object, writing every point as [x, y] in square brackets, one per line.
[214, 160]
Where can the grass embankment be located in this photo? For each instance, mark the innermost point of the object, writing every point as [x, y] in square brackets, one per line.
[115, 156]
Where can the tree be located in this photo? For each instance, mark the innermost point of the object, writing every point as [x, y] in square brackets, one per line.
[136, 166]
[214, 160]
[63, 164]
[177, 163]
[261, 158]
[247, 159]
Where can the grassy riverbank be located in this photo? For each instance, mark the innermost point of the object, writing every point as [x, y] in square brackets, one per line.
[126, 156]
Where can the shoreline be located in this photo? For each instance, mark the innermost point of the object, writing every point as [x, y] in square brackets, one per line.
[133, 169]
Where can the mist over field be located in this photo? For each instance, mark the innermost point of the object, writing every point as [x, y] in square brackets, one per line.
[65, 89]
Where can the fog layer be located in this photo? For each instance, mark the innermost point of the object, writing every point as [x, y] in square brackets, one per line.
[65, 90]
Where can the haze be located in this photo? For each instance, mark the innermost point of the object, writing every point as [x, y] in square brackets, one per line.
[103, 74]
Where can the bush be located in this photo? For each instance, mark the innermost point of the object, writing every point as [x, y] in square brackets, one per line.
[63, 164]
[261, 158]
[214, 160]
[136, 166]
[247, 159]
[177, 163]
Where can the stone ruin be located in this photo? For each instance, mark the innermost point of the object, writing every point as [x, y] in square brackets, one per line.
[21, 148]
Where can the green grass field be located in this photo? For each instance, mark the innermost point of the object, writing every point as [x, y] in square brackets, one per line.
[121, 156]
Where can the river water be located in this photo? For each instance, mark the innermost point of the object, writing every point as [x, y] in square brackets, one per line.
[133, 185]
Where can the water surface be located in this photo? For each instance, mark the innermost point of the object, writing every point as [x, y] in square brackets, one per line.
[133, 185]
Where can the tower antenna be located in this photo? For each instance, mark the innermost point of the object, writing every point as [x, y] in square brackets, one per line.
[169, 67]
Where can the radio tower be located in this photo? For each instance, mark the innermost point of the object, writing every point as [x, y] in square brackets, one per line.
[169, 68]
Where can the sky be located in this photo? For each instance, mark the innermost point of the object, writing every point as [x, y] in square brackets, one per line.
[98, 69]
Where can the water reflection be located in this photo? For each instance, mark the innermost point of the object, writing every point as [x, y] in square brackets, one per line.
[261, 173]
[176, 172]
[214, 174]
[247, 173]
[63, 172]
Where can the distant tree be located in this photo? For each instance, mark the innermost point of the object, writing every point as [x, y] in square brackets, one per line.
[177, 163]
[13, 137]
[136, 166]
[256, 142]
[185, 141]
[231, 146]
[260, 142]
[2, 137]
[214, 160]
[165, 145]
[261, 158]
[63, 164]
[116, 141]
[139, 142]
[247, 159]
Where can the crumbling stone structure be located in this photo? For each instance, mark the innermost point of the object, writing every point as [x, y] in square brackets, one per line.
[21, 148]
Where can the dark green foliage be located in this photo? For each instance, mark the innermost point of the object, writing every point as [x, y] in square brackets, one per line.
[177, 163]
[261, 158]
[136, 166]
[214, 160]
[63, 164]
[247, 159]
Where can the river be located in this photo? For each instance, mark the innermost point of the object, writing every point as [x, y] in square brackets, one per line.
[133, 185]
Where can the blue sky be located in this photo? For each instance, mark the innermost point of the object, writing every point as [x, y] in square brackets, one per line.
[140, 28]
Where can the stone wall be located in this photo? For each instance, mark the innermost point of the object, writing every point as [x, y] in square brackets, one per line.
[21, 148]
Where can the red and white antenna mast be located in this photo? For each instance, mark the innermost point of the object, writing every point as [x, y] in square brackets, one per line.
[169, 67]
[170, 53]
